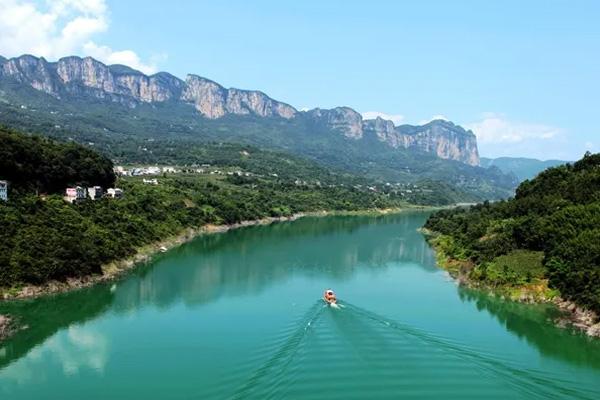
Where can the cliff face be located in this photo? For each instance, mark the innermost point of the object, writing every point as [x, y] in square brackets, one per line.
[443, 138]
[214, 101]
[86, 77]
[342, 119]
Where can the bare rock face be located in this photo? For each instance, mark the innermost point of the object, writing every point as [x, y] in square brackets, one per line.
[444, 139]
[36, 72]
[244, 101]
[385, 131]
[86, 76]
[80, 75]
[87, 72]
[342, 119]
[208, 97]
[439, 137]
[214, 101]
[89, 77]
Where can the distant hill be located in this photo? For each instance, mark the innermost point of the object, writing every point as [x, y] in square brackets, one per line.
[523, 168]
[132, 117]
[549, 230]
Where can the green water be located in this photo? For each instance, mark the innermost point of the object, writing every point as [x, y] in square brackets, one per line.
[238, 315]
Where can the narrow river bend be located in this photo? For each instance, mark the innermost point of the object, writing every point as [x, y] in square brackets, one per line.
[237, 315]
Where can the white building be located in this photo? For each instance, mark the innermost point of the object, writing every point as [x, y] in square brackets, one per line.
[75, 194]
[153, 170]
[95, 192]
[115, 193]
[151, 181]
[4, 190]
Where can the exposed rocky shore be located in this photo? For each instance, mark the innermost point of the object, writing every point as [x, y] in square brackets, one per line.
[572, 316]
[577, 317]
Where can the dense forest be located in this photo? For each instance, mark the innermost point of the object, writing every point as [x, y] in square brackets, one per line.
[44, 237]
[34, 163]
[550, 230]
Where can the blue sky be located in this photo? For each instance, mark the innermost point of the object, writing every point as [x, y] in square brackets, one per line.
[524, 75]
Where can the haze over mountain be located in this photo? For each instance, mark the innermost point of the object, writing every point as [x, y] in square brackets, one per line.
[523, 168]
[89, 101]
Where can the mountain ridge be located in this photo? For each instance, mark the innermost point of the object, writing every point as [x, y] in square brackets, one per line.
[523, 167]
[74, 76]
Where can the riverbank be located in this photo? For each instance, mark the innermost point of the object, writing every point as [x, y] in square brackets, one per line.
[536, 291]
[144, 254]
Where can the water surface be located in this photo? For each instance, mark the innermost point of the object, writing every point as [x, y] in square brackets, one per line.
[238, 315]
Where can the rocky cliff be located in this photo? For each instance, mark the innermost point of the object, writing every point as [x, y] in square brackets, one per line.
[214, 101]
[75, 77]
[439, 137]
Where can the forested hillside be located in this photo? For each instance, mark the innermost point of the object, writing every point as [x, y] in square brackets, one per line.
[550, 230]
[33, 163]
[47, 238]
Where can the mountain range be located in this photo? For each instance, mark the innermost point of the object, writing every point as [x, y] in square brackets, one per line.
[136, 117]
[523, 168]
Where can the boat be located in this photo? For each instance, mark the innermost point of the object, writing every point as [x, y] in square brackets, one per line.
[329, 297]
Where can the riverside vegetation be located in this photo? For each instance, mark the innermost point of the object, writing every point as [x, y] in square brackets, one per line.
[44, 238]
[543, 243]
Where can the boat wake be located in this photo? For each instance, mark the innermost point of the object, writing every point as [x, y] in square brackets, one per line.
[350, 352]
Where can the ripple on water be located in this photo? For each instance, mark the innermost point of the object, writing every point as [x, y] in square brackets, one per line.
[354, 353]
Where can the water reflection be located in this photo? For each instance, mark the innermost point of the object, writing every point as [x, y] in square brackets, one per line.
[44, 317]
[533, 324]
[248, 260]
[228, 265]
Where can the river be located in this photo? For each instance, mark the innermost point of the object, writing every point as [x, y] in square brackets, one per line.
[238, 315]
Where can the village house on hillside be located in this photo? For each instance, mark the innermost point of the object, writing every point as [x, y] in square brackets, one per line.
[4, 190]
[115, 193]
[75, 194]
[95, 192]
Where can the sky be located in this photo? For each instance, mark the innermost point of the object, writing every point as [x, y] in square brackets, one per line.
[523, 75]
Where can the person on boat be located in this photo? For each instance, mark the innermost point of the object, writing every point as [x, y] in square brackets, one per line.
[329, 297]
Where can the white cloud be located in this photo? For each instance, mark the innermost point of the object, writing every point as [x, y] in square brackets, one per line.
[59, 28]
[435, 117]
[498, 135]
[395, 118]
[496, 128]
[125, 57]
